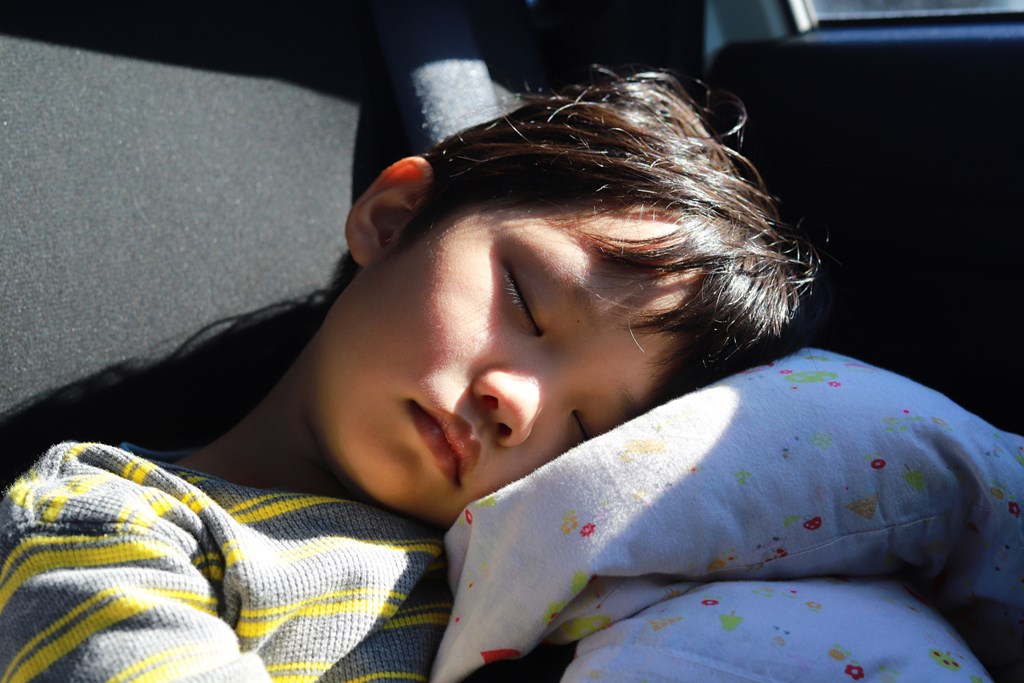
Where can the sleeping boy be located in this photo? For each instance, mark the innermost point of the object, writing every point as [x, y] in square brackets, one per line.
[526, 284]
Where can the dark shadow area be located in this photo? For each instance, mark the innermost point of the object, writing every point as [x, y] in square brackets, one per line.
[573, 34]
[313, 46]
[181, 401]
[380, 137]
[898, 149]
[544, 664]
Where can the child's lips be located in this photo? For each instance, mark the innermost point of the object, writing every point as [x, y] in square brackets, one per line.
[449, 438]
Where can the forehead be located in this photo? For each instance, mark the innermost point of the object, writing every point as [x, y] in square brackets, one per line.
[576, 245]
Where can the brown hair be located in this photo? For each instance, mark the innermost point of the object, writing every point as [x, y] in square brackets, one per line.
[624, 144]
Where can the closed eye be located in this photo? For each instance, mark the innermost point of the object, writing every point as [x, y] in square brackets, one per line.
[512, 288]
[579, 427]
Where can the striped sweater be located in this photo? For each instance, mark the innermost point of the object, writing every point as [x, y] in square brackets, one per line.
[116, 569]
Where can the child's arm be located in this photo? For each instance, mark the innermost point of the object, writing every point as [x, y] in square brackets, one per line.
[92, 587]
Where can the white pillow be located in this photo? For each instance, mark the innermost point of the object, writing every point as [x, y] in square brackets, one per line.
[870, 629]
[815, 465]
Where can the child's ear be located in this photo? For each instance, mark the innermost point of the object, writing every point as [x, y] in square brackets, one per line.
[384, 209]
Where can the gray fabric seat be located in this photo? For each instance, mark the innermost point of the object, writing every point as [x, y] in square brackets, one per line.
[160, 172]
[144, 200]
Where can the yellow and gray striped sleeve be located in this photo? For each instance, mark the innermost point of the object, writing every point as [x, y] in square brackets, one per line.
[115, 569]
[90, 589]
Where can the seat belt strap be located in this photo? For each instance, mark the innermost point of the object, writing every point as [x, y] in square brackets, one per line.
[440, 81]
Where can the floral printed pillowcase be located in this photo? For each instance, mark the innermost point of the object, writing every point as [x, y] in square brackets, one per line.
[824, 629]
[817, 465]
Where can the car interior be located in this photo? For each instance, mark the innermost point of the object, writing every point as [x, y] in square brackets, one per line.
[174, 183]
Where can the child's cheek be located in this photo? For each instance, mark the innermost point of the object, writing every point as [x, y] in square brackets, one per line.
[462, 306]
[464, 324]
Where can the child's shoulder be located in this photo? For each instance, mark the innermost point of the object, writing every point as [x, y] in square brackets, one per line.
[91, 486]
[85, 463]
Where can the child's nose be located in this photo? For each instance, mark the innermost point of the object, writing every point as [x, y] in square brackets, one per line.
[511, 403]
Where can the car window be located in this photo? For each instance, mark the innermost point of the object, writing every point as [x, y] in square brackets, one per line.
[840, 10]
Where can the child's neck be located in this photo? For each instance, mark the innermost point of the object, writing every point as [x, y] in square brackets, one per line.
[269, 448]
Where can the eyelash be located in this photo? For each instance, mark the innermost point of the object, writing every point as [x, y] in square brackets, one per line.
[517, 298]
[579, 424]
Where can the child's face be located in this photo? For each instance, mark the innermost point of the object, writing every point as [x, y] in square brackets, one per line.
[431, 384]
